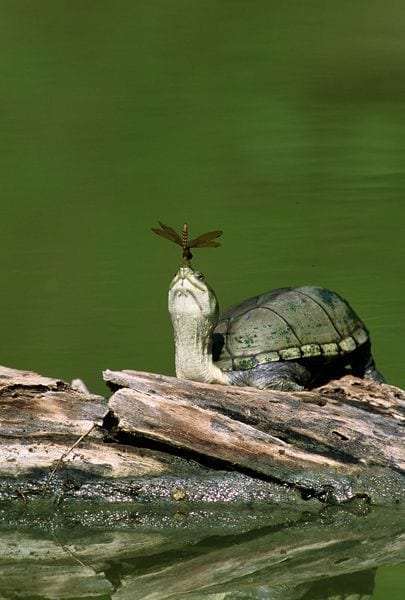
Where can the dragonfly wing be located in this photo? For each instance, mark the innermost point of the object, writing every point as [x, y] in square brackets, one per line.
[168, 233]
[205, 240]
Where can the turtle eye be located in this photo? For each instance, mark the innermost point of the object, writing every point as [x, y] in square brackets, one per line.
[199, 275]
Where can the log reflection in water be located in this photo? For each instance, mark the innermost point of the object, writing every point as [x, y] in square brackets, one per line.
[334, 553]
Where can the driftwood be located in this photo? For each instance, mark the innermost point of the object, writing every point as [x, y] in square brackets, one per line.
[161, 439]
[340, 432]
[219, 490]
[42, 419]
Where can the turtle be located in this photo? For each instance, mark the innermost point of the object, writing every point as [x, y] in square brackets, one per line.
[292, 338]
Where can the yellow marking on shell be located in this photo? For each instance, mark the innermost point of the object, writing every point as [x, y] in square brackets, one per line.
[266, 357]
[348, 344]
[330, 349]
[310, 350]
[248, 362]
[290, 353]
[360, 335]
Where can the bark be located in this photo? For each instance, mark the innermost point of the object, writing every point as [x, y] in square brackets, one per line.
[166, 441]
[337, 442]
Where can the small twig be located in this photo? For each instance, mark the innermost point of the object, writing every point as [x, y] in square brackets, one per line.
[61, 459]
[22, 494]
[66, 549]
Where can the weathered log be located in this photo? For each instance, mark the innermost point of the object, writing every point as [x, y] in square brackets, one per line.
[176, 462]
[42, 419]
[169, 441]
[340, 441]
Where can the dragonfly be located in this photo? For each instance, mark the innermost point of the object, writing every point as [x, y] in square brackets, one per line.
[206, 240]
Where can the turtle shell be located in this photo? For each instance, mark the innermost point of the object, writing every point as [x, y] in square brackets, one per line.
[286, 324]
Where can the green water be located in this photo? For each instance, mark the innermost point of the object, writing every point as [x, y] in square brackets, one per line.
[282, 123]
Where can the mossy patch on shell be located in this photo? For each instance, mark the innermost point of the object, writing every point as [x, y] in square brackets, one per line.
[287, 324]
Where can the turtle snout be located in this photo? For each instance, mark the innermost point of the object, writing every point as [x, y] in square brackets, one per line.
[185, 272]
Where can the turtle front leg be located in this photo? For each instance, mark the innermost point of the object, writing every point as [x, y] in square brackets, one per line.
[283, 376]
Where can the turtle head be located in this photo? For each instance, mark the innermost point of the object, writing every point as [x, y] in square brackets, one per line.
[190, 297]
[194, 310]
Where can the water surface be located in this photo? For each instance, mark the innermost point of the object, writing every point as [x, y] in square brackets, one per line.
[281, 123]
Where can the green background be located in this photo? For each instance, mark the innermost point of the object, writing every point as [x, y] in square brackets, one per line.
[282, 123]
